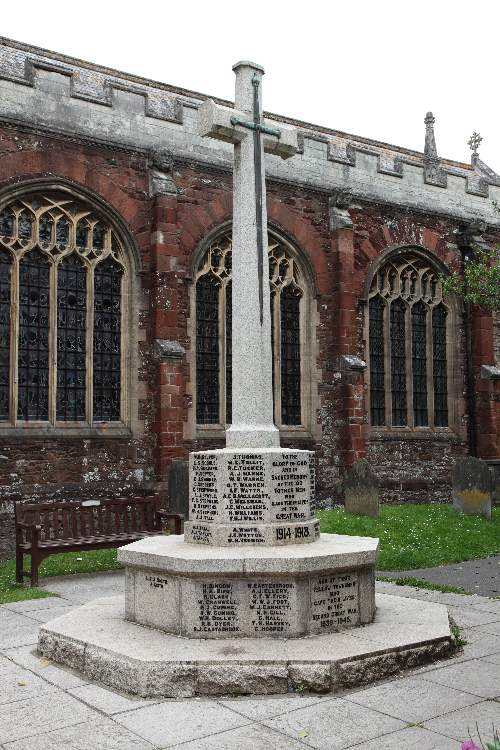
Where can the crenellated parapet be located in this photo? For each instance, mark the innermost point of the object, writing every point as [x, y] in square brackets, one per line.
[53, 93]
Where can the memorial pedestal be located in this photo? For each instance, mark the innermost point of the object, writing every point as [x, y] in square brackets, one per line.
[284, 592]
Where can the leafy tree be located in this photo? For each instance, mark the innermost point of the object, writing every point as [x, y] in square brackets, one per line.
[479, 284]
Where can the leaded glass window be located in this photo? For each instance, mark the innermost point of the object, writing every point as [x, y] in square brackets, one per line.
[33, 347]
[419, 362]
[207, 348]
[107, 341]
[407, 344]
[5, 273]
[213, 334]
[290, 355]
[398, 362]
[62, 271]
[439, 365]
[71, 339]
[377, 363]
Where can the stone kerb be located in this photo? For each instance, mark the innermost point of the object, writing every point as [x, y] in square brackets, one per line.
[250, 497]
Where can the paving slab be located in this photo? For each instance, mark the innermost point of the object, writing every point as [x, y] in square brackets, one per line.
[29, 605]
[58, 675]
[492, 658]
[467, 617]
[17, 683]
[16, 630]
[99, 734]
[107, 701]
[412, 699]
[411, 738]
[483, 645]
[453, 600]
[492, 628]
[457, 724]
[50, 710]
[45, 615]
[252, 737]
[85, 587]
[477, 677]
[334, 725]
[180, 721]
[269, 706]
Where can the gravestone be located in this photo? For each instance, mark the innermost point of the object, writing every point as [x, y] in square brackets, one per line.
[471, 487]
[178, 488]
[361, 493]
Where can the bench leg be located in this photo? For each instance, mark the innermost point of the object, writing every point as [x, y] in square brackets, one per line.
[35, 563]
[19, 566]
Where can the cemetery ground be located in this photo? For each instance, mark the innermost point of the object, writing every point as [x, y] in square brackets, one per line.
[411, 537]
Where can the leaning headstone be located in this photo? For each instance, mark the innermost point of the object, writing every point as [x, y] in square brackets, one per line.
[178, 488]
[361, 490]
[471, 487]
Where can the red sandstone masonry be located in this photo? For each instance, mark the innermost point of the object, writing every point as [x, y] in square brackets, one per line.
[168, 230]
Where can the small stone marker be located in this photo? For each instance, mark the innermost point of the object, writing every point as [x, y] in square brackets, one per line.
[178, 488]
[361, 490]
[471, 487]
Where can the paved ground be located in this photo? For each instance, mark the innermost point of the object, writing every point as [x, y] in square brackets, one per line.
[475, 576]
[45, 707]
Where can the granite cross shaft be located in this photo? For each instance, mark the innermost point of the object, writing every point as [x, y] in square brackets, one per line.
[252, 397]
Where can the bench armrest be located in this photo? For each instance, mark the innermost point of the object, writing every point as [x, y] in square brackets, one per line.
[32, 532]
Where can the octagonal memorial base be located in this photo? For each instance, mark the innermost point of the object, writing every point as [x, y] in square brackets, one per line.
[254, 592]
[99, 643]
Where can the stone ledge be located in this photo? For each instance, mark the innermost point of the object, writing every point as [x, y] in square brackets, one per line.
[172, 554]
[97, 641]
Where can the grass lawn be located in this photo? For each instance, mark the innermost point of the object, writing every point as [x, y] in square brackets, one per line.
[420, 536]
[57, 565]
[411, 536]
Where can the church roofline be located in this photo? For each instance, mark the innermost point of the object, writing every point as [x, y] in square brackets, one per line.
[153, 84]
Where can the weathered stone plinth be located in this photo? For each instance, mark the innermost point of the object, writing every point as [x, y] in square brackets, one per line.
[97, 641]
[209, 592]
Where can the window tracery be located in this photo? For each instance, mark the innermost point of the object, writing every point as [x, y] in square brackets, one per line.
[62, 269]
[408, 344]
[213, 333]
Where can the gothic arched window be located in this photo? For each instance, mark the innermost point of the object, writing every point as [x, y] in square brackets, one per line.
[213, 334]
[408, 338]
[62, 270]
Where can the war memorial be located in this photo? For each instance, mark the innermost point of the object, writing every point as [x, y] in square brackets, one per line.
[252, 598]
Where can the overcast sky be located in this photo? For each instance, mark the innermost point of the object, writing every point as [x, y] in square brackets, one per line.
[371, 68]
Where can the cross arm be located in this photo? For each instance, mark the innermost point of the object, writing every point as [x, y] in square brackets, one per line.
[215, 121]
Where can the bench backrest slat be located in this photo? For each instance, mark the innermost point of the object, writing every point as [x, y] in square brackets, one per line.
[64, 520]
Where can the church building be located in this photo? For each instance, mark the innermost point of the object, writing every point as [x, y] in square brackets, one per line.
[115, 293]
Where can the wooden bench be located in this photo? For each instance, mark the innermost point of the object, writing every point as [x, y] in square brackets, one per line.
[43, 529]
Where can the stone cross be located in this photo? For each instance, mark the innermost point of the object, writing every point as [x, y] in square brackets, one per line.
[252, 396]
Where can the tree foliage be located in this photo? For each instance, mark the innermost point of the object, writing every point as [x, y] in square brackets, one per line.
[479, 284]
